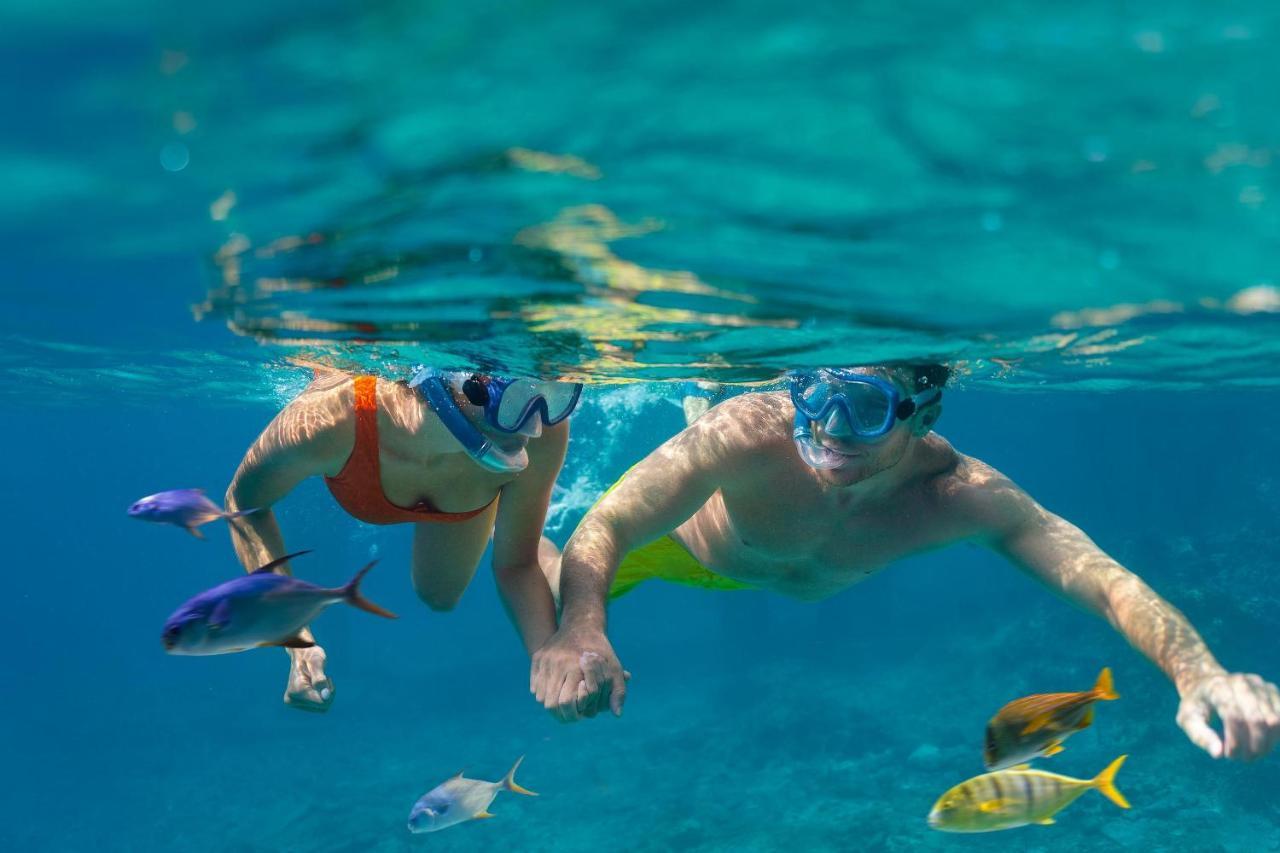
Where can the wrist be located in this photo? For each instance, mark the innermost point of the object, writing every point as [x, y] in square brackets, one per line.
[582, 619]
[1187, 682]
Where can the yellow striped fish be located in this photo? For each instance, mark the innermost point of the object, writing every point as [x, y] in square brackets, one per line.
[1037, 725]
[1017, 797]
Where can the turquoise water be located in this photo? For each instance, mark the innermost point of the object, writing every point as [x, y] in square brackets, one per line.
[1075, 205]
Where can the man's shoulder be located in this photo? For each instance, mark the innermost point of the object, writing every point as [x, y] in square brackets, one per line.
[970, 489]
[733, 441]
[755, 412]
[747, 423]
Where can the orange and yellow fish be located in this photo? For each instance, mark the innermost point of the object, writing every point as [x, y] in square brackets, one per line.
[1016, 797]
[1037, 725]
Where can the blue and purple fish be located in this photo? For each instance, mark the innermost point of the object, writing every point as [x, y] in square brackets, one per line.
[259, 609]
[186, 508]
[459, 799]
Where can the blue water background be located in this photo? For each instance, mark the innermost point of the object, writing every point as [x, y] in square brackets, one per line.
[754, 723]
[1068, 198]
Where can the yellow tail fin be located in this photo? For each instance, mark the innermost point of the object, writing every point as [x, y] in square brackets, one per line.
[509, 782]
[1104, 689]
[1105, 783]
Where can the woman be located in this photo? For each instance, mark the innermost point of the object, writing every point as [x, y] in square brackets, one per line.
[460, 456]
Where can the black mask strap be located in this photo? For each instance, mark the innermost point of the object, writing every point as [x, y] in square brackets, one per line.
[476, 390]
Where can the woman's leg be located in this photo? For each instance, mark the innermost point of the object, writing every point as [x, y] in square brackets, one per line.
[445, 557]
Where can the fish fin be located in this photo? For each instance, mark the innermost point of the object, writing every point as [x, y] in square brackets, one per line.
[1086, 720]
[1104, 688]
[1105, 783]
[1037, 723]
[220, 615]
[1048, 821]
[1053, 748]
[240, 513]
[294, 642]
[276, 563]
[991, 806]
[509, 781]
[481, 815]
[194, 531]
[351, 594]
[1026, 766]
[457, 775]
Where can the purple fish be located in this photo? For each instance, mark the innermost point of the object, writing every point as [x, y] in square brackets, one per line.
[186, 508]
[259, 609]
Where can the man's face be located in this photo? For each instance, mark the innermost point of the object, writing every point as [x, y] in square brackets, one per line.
[865, 459]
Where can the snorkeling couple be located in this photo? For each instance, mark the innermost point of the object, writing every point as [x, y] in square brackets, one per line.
[804, 491]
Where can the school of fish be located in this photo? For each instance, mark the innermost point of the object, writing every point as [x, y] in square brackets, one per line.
[265, 608]
[268, 608]
[1014, 794]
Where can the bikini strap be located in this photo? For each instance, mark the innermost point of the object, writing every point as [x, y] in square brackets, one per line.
[366, 388]
[366, 409]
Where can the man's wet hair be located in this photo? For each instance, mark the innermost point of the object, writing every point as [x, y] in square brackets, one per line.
[926, 376]
[920, 377]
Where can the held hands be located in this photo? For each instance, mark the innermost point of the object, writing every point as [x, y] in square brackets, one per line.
[576, 674]
[1248, 708]
[309, 689]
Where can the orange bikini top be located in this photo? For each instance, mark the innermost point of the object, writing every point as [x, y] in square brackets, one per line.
[358, 486]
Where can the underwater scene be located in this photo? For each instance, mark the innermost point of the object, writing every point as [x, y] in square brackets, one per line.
[557, 426]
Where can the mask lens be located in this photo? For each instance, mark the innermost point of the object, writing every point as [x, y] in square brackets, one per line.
[523, 396]
[561, 398]
[810, 395]
[868, 406]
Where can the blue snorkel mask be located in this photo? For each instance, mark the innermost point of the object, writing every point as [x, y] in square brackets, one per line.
[850, 406]
[511, 406]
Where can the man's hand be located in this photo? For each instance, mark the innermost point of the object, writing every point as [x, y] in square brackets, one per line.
[1248, 708]
[309, 689]
[576, 674]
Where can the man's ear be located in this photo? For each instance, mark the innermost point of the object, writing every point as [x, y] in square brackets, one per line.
[925, 420]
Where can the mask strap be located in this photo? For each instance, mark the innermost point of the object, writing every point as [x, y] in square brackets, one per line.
[910, 406]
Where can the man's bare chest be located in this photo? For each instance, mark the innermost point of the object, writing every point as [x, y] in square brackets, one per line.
[810, 550]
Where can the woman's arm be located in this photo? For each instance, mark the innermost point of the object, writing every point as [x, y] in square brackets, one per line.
[522, 513]
[303, 439]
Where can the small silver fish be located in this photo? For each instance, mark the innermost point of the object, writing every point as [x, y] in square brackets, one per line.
[259, 609]
[459, 799]
[185, 508]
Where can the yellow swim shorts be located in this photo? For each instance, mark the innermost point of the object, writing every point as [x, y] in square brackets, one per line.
[665, 559]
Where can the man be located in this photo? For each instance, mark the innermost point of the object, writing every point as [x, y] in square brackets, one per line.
[808, 492]
[462, 457]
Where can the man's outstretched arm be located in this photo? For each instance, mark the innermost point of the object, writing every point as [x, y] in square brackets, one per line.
[1062, 557]
[576, 673]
